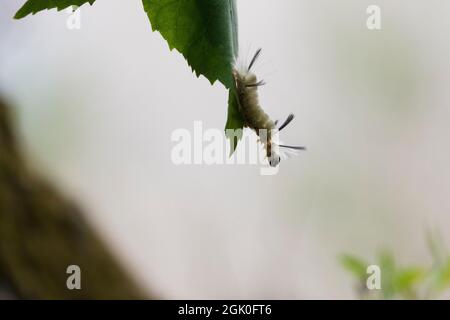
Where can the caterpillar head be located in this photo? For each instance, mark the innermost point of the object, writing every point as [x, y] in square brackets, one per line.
[274, 159]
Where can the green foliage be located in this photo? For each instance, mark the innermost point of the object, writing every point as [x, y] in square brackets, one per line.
[386, 263]
[235, 122]
[354, 265]
[443, 276]
[34, 6]
[205, 32]
[410, 282]
[405, 279]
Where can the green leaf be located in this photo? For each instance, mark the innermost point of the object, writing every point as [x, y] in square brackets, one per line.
[406, 278]
[354, 265]
[387, 261]
[443, 276]
[388, 268]
[34, 6]
[204, 31]
[235, 122]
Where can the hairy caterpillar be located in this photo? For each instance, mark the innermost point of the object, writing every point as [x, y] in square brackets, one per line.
[254, 116]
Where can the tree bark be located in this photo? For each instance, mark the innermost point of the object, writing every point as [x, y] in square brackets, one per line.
[42, 233]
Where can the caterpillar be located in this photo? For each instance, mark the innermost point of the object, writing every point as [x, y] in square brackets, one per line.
[255, 118]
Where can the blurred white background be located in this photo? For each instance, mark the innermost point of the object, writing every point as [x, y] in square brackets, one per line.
[97, 107]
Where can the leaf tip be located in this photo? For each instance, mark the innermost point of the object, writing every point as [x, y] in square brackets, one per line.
[19, 15]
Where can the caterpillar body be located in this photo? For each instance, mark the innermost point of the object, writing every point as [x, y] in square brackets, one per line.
[255, 118]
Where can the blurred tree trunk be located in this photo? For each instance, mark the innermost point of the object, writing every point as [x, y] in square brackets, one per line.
[42, 233]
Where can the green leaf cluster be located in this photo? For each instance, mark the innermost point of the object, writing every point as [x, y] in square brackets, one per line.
[410, 282]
